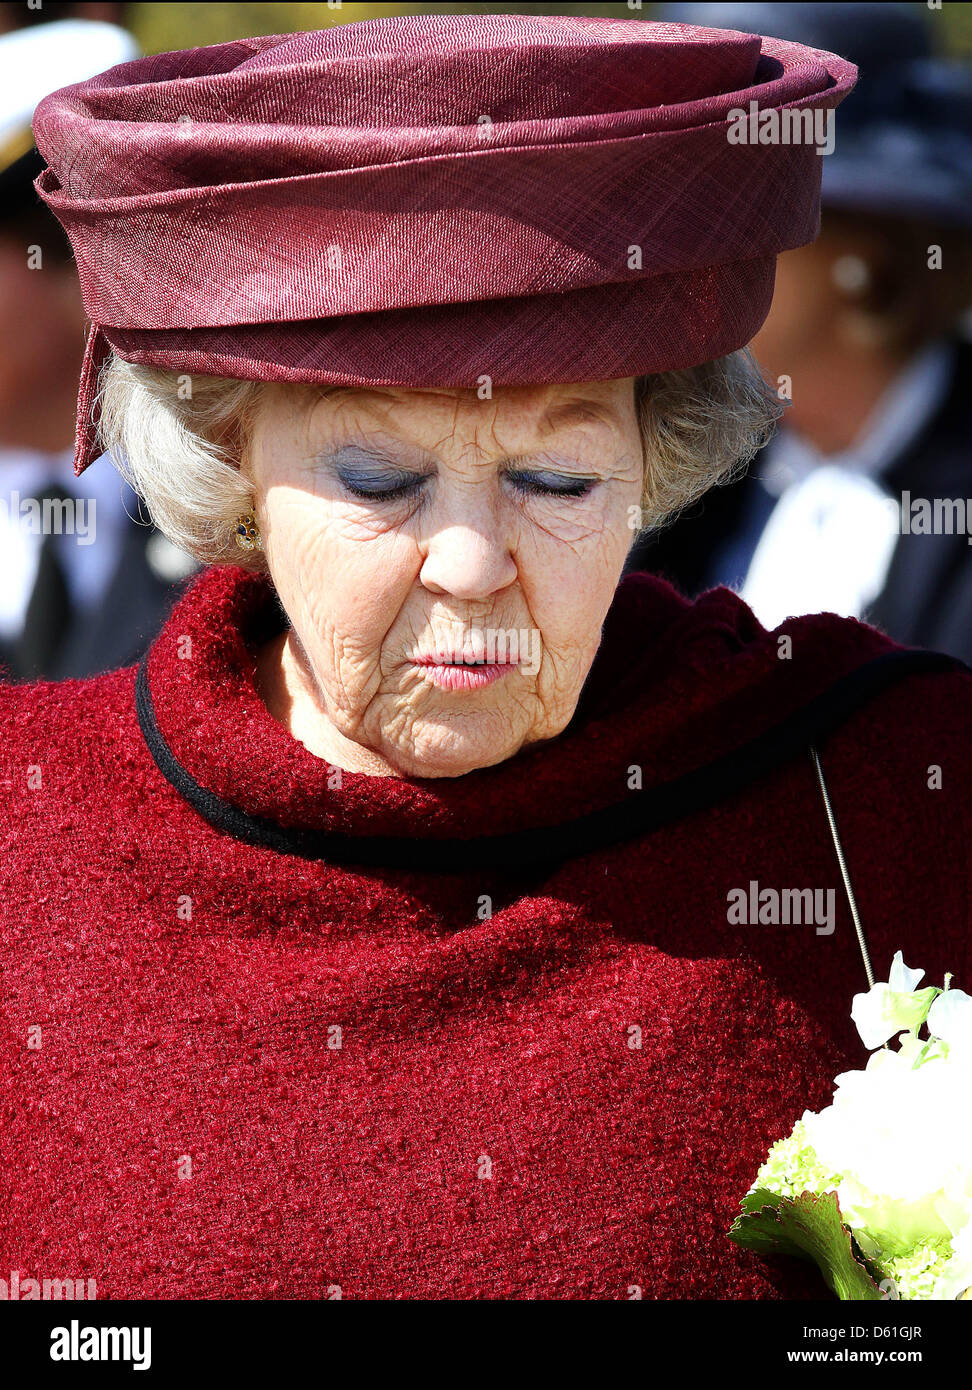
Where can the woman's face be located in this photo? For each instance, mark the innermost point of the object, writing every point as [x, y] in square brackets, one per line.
[446, 562]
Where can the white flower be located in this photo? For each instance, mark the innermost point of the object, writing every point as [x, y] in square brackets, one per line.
[950, 1018]
[900, 1135]
[896, 1142]
[901, 978]
[891, 1008]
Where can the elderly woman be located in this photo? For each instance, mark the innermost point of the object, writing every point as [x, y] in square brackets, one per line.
[408, 925]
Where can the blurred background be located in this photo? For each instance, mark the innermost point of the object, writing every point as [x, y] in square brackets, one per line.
[159, 27]
[868, 343]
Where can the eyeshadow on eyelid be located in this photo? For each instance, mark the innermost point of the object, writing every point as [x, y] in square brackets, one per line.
[356, 453]
[357, 456]
[363, 462]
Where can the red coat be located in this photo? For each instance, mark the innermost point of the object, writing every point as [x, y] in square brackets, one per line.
[262, 1037]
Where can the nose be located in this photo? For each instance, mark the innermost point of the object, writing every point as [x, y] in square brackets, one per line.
[467, 561]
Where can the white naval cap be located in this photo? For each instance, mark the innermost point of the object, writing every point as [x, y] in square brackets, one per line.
[40, 58]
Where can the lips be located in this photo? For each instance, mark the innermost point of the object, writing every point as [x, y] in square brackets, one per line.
[461, 672]
[457, 659]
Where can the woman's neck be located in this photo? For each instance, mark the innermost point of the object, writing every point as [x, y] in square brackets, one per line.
[835, 393]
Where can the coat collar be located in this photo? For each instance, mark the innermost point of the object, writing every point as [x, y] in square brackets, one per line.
[686, 703]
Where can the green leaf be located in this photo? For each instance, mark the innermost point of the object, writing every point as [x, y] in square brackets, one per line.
[758, 1227]
[810, 1227]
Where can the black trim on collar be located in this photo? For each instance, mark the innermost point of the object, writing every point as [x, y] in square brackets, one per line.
[639, 814]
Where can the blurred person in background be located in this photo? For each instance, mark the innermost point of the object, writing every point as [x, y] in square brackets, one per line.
[84, 583]
[866, 332]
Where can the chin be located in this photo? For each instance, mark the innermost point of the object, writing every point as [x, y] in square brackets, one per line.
[451, 754]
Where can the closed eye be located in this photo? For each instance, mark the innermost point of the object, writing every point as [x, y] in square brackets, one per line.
[371, 479]
[387, 490]
[544, 483]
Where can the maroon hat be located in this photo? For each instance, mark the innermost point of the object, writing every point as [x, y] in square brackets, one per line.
[434, 199]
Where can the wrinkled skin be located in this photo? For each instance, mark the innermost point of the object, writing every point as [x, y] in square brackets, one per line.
[472, 538]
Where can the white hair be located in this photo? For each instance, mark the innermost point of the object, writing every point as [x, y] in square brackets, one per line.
[179, 441]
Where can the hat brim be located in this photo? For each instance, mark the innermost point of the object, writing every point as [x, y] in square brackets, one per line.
[633, 328]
